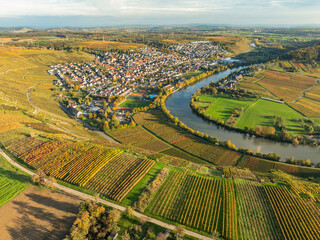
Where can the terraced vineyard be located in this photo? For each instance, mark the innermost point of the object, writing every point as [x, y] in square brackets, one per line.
[108, 171]
[203, 203]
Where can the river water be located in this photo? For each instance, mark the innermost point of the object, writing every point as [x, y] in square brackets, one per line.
[179, 106]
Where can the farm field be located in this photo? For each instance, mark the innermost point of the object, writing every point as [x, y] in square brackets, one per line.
[297, 219]
[105, 45]
[251, 84]
[12, 182]
[175, 152]
[307, 106]
[314, 93]
[156, 123]
[134, 103]
[222, 107]
[204, 203]
[38, 214]
[262, 112]
[109, 171]
[256, 219]
[139, 137]
[287, 86]
[261, 165]
[21, 68]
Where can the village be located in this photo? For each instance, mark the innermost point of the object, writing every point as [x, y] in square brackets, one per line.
[118, 83]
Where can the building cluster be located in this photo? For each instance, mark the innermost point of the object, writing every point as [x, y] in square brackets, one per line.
[199, 49]
[114, 74]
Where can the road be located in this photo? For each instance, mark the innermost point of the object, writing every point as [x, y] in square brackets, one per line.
[110, 204]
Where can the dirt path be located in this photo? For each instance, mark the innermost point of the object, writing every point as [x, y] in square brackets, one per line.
[36, 109]
[110, 204]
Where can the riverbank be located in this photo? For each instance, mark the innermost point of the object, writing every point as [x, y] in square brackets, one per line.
[178, 104]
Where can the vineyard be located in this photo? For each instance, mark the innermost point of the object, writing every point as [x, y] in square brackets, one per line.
[119, 176]
[286, 85]
[297, 219]
[108, 171]
[155, 122]
[203, 203]
[139, 137]
[9, 189]
[24, 145]
[256, 219]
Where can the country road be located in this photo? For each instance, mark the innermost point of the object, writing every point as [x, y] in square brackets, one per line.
[110, 204]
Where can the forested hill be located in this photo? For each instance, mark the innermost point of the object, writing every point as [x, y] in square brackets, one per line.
[308, 54]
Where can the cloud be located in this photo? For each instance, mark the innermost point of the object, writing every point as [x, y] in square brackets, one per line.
[165, 11]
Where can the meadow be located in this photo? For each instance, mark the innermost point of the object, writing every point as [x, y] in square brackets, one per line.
[222, 107]
[134, 103]
[262, 112]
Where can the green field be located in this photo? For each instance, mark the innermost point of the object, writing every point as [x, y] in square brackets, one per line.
[12, 182]
[256, 113]
[262, 112]
[134, 103]
[222, 107]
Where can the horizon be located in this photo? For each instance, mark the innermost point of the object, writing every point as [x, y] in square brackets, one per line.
[98, 13]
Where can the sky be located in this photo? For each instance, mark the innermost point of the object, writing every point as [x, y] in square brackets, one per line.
[99, 13]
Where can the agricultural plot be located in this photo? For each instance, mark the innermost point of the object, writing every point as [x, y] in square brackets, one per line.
[24, 145]
[105, 45]
[9, 189]
[11, 182]
[287, 86]
[157, 124]
[44, 127]
[314, 93]
[256, 164]
[256, 219]
[297, 219]
[139, 137]
[203, 203]
[308, 107]
[134, 103]
[222, 107]
[180, 154]
[119, 176]
[38, 153]
[24, 68]
[262, 113]
[13, 121]
[108, 171]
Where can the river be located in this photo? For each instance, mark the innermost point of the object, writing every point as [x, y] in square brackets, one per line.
[179, 106]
